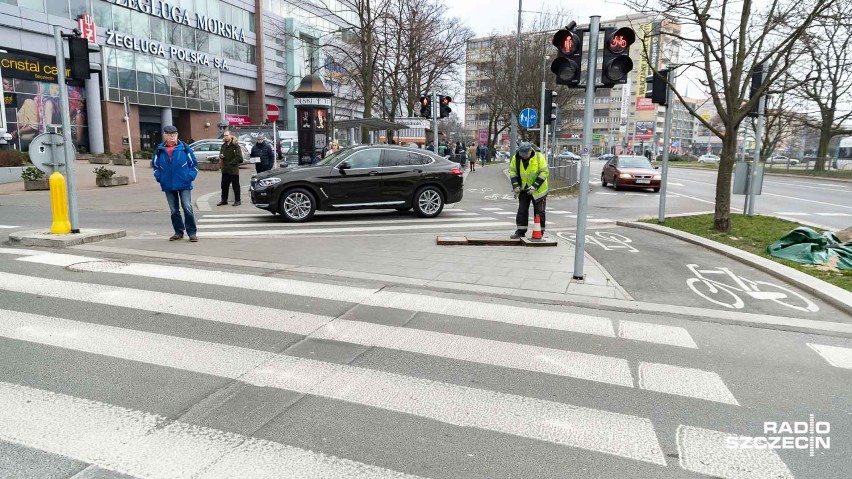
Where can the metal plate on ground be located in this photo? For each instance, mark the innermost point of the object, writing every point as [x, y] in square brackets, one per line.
[479, 240]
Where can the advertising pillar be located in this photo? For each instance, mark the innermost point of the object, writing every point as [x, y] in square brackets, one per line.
[313, 103]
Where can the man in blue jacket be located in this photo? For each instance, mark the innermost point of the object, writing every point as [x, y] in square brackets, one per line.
[175, 168]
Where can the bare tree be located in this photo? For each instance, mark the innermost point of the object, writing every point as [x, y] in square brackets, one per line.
[825, 78]
[725, 42]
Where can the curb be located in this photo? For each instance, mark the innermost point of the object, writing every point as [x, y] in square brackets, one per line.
[829, 293]
[46, 239]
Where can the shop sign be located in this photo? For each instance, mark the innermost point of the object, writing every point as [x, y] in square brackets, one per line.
[143, 45]
[174, 13]
[87, 28]
[238, 120]
[30, 68]
[312, 102]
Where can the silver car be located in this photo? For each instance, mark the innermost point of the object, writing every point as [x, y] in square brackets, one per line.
[708, 159]
[206, 149]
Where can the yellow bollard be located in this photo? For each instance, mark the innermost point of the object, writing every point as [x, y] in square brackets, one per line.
[59, 204]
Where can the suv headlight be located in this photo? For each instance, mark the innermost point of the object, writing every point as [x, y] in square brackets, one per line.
[267, 182]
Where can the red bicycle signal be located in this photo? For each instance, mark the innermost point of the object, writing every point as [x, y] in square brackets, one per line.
[620, 40]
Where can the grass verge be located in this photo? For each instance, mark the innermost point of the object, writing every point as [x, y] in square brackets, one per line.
[754, 235]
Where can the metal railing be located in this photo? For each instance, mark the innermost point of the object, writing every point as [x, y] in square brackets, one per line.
[564, 173]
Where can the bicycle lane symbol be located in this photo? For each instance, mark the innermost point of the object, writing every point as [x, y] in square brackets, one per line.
[725, 294]
[607, 240]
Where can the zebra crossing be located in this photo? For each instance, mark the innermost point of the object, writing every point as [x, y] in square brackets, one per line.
[178, 303]
[451, 219]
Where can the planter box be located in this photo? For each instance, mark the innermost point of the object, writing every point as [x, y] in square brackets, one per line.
[114, 181]
[121, 162]
[34, 185]
[99, 161]
[207, 166]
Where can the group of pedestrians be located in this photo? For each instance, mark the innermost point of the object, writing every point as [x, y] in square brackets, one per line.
[175, 168]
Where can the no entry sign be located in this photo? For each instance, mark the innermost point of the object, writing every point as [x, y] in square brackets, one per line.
[272, 112]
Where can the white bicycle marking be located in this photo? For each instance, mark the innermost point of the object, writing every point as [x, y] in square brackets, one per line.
[746, 286]
[497, 197]
[614, 241]
[479, 190]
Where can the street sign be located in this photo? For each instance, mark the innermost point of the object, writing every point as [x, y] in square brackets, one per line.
[528, 117]
[46, 152]
[272, 112]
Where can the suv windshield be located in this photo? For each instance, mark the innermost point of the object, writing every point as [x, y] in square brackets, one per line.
[634, 162]
[331, 159]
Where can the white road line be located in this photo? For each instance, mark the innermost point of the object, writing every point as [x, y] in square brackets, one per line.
[560, 212]
[140, 444]
[8, 227]
[672, 183]
[20, 252]
[600, 220]
[834, 355]
[833, 214]
[705, 451]
[376, 223]
[505, 212]
[252, 215]
[558, 362]
[539, 318]
[699, 199]
[656, 333]
[786, 213]
[834, 205]
[605, 193]
[491, 209]
[688, 382]
[622, 435]
[353, 229]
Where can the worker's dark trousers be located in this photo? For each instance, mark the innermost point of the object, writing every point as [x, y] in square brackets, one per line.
[523, 216]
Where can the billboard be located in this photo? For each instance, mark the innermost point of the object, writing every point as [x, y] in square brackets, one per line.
[643, 71]
[645, 104]
[644, 130]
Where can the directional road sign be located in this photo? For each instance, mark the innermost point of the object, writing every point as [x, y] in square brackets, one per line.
[528, 117]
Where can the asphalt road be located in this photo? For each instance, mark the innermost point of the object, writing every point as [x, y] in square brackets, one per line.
[119, 368]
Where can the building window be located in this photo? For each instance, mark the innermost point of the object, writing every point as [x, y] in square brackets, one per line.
[236, 102]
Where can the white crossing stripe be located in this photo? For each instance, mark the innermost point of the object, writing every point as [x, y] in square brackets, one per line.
[560, 212]
[833, 214]
[491, 209]
[600, 220]
[540, 318]
[8, 227]
[686, 382]
[243, 215]
[655, 333]
[147, 445]
[834, 355]
[505, 212]
[277, 232]
[460, 213]
[375, 223]
[706, 452]
[622, 435]
[605, 193]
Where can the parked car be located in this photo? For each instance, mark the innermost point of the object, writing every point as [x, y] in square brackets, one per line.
[361, 177]
[782, 160]
[630, 172]
[290, 157]
[568, 155]
[205, 149]
[606, 157]
[708, 158]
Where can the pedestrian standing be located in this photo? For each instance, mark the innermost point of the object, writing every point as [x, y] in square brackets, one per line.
[175, 168]
[528, 173]
[230, 157]
[263, 150]
[471, 156]
[460, 154]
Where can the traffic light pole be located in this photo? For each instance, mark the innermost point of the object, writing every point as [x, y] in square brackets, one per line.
[667, 138]
[70, 156]
[758, 140]
[588, 120]
[435, 120]
[513, 134]
[541, 120]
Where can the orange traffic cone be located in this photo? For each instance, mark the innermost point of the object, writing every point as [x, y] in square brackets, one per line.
[536, 232]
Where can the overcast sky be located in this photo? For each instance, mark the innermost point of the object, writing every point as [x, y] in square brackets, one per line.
[486, 16]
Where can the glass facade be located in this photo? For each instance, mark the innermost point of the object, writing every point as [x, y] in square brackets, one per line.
[236, 102]
[150, 80]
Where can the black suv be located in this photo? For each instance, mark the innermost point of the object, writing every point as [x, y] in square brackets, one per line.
[361, 177]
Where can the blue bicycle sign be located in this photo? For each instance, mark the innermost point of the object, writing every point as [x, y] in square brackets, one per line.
[528, 117]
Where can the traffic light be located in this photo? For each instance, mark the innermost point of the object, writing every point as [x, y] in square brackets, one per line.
[566, 66]
[549, 107]
[657, 87]
[425, 107]
[756, 82]
[616, 56]
[78, 52]
[445, 107]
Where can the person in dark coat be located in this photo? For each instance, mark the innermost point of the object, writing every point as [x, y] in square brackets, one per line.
[230, 158]
[263, 150]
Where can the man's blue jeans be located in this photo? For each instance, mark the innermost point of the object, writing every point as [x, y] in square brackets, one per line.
[177, 199]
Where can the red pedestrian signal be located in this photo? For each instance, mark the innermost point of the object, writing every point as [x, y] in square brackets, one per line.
[566, 66]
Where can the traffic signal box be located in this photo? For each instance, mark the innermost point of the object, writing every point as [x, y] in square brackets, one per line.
[566, 66]
[78, 51]
[549, 107]
[756, 82]
[616, 55]
[657, 87]
[445, 107]
[425, 107]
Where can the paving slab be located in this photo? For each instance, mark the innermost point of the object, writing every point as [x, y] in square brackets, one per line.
[44, 238]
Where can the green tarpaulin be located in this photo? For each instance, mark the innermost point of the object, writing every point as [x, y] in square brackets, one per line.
[804, 245]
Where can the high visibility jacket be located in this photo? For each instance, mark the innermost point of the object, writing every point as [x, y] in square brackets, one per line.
[535, 174]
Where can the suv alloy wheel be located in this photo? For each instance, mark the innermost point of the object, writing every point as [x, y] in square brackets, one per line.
[297, 205]
[428, 202]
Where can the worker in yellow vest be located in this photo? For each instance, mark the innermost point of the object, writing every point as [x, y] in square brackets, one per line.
[528, 172]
